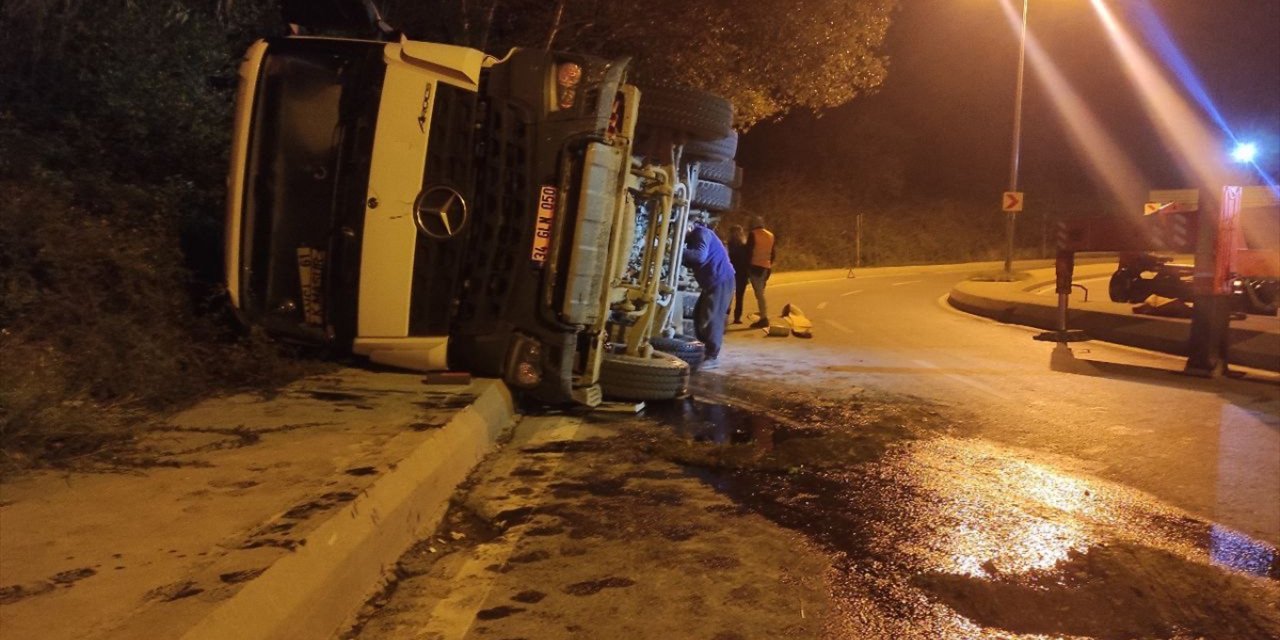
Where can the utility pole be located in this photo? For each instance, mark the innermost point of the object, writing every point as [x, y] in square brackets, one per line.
[857, 252]
[1017, 141]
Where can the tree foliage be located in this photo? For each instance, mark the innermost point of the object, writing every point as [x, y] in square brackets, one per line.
[769, 57]
[114, 126]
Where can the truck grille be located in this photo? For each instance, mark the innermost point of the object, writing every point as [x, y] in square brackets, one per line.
[503, 204]
[448, 163]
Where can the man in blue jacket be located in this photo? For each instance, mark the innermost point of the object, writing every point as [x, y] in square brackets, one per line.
[706, 256]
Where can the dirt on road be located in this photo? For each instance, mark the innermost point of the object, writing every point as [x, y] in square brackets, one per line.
[777, 512]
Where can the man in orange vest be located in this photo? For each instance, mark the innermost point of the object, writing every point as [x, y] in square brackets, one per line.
[760, 246]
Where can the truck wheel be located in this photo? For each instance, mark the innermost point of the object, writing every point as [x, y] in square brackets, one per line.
[660, 377]
[691, 350]
[688, 327]
[698, 114]
[725, 172]
[713, 196]
[1123, 286]
[715, 150]
[1260, 297]
[688, 301]
[1165, 285]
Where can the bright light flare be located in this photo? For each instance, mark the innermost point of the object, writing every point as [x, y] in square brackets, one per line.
[1106, 160]
[1160, 40]
[1245, 152]
[1196, 147]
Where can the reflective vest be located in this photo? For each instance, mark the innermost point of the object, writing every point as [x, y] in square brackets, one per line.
[762, 248]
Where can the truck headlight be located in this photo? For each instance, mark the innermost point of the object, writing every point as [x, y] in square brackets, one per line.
[568, 77]
[525, 365]
[527, 374]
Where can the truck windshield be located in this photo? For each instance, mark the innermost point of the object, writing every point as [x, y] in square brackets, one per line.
[307, 172]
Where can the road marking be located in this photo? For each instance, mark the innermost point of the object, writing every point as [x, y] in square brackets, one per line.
[899, 284]
[838, 325]
[822, 305]
[851, 293]
[966, 380]
[893, 275]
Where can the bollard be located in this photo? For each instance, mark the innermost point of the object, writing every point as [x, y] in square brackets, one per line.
[1063, 270]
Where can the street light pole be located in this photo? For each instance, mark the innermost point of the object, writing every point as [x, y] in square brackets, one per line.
[1017, 140]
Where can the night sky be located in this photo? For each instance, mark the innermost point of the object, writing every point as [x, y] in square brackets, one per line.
[950, 93]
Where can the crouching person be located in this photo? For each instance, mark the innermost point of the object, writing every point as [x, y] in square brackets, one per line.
[706, 256]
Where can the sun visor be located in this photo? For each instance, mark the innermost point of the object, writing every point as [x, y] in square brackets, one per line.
[461, 64]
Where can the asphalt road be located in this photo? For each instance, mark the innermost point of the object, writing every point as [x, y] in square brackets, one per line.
[909, 472]
[1211, 447]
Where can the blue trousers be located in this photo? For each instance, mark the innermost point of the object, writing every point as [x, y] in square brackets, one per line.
[710, 313]
[758, 277]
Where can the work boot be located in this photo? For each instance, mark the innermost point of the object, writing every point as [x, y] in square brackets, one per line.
[760, 324]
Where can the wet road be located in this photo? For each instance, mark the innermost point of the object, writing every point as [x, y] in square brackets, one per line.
[1209, 446]
[910, 472]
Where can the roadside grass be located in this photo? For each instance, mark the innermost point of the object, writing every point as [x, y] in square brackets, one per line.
[98, 327]
[819, 229]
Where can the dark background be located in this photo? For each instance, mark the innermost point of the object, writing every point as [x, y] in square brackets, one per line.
[946, 109]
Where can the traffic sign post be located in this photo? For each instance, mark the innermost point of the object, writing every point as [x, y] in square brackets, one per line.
[1011, 202]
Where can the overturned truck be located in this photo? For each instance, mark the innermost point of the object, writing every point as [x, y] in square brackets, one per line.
[432, 207]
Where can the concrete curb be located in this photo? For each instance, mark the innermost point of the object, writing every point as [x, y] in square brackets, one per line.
[316, 591]
[1013, 304]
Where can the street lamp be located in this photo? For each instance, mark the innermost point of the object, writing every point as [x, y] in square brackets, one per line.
[1245, 152]
[1017, 140]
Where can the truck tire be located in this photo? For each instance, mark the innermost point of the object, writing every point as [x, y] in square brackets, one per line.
[1120, 286]
[660, 377]
[688, 327]
[713, 196]
[695, 113]
[691, 350]
[1128, 286]
[1260, 296]
[689, 299]
[725, 172]
[715, 150]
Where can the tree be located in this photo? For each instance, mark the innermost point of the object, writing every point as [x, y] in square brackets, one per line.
[769, 57]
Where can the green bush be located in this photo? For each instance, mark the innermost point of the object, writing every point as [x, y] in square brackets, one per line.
[816, 221]
[112, 154]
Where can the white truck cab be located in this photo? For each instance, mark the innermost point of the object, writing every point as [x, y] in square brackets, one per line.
[431, 207]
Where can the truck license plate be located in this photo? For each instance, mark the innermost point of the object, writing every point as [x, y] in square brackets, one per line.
[542, 228]
[311, 276]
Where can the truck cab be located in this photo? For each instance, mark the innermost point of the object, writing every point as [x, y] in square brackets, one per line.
[429, 206]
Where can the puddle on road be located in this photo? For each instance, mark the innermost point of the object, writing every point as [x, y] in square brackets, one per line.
[721, 424]
[722, 436]
[1118, 591]
[1242, 553]
[956, 538]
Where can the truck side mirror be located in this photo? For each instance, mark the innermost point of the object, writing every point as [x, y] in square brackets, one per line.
[334, 14]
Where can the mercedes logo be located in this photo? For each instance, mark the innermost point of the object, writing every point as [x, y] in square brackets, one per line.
[440, 212]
